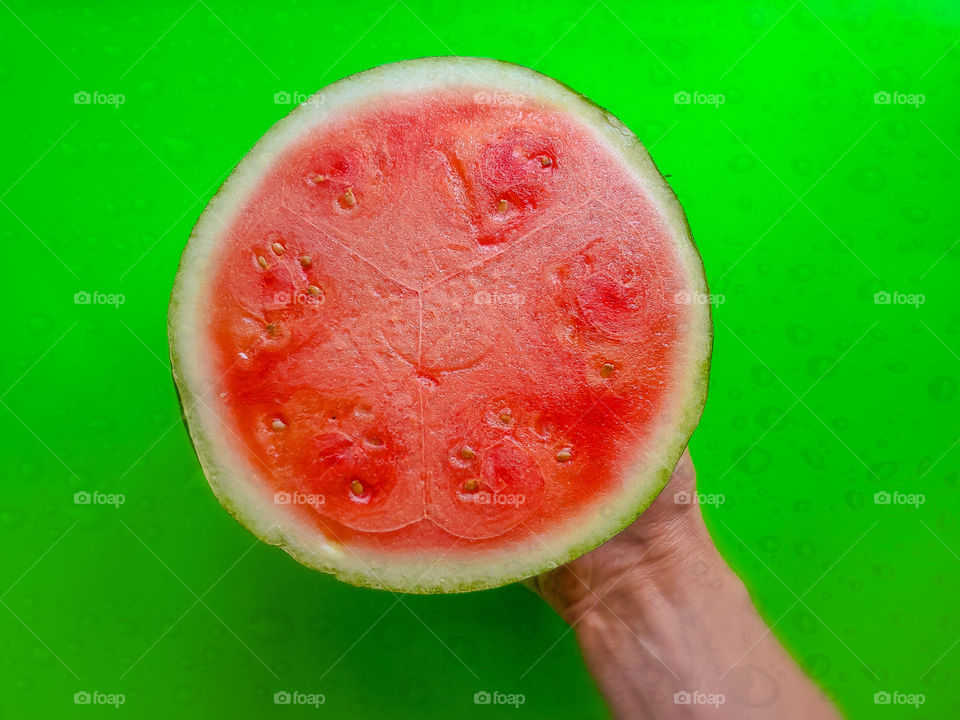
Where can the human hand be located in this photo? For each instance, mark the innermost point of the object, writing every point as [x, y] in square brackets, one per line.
[668, 630]
[668, 533]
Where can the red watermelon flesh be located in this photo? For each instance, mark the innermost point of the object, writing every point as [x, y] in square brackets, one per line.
[439, 333]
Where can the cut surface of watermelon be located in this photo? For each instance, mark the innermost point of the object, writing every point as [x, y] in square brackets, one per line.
[442, 328]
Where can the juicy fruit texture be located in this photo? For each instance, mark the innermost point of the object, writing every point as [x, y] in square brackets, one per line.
[434, 336]
[484, 278]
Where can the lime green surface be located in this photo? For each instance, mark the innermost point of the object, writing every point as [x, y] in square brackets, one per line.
[806, 196]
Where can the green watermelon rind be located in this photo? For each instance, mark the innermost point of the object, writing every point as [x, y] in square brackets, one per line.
[226, 482]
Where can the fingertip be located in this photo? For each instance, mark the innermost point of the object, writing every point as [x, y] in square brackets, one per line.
[685, 466]
[532, 584]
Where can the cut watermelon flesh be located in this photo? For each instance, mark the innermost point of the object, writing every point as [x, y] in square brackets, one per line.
[440, 343]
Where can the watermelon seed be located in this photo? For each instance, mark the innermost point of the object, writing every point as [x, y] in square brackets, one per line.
[502, 206]
[271, 328]
[356, 487]
[313, 290]
[467, 453]
[471, 485]
[278, 425]
[262, 261]
[348, 199]
[606, 370]
[277, 249]
[305, 261]
[505, 417]
[564, 455]
[545, 161]
[317, 179]
[375, 441]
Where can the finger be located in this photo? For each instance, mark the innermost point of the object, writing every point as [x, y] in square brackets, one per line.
[532, 584]
[684, 474]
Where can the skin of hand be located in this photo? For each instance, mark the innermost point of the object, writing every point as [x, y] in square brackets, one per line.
[668, 630]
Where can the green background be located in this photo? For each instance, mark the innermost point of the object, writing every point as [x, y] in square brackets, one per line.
[806, 198]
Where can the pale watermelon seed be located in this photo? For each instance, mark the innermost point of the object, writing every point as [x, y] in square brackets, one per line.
[262, 261]
[348, 199]
[564, 455]
[356, 487]
[502, 206]
[467, 453]
[606, 370]
[305, 261]
[278, 425]
[313, 290]
[277, 248]
[471, 485]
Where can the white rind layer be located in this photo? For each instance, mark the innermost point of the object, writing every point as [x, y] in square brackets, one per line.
[239, 486]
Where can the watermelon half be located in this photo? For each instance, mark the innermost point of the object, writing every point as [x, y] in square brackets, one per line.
[442, 328]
